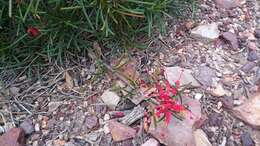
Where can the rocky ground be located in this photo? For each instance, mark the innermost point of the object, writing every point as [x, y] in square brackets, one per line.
[94, 102]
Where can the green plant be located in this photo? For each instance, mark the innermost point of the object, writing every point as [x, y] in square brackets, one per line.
[73, 25]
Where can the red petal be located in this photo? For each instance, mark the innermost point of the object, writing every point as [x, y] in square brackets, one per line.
[33, 31]
[167, 118]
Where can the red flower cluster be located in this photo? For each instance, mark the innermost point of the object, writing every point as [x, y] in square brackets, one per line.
[167, 103]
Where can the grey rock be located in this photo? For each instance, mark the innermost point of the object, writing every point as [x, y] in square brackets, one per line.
[252, 55]
[206, 32]
[27, 126]
[248, 67]
[173, 74]
[246, 139]
[91, 122]
[111, 99]
[14, 90]
[215, 119]
[205, 76]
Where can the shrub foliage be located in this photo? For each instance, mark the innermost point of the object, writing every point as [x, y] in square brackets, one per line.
[74, 24]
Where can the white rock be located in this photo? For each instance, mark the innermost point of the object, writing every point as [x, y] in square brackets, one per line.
[198, 96]
[172, 74]
[111, 99]
[151, 142]
[206, 32]
[106, 129]
[106, 117]
[201, 138]
[37, 127]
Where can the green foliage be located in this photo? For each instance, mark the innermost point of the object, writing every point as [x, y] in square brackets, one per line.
[72, 25]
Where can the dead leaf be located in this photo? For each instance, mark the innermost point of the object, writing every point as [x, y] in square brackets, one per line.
[69, 80]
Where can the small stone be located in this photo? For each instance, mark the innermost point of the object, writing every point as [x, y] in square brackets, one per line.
[201, 138]
[59, 142]
[246, 139]
[2, 130]
[231, 38]
[252, 56]
[14, 90]
[52, 106]
[227, 4]
[198, 96]
[218, 91]
[91, 122]
[13, 137]
[120, 132]
[27, 126]
[238, 102]
[205, 32]
[227, 102]
[219, 105]
[93, 136]
[35, 143]
[69, 144]
[248, 66]
[106, 129]
[37, 127]
[189, 25]
[252, 46]
[106, 117]
[257, 33]
[111, 99]
[151, 142]
[215, 119]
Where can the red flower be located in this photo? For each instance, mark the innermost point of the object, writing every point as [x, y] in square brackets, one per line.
[33, 31]
[167, 104]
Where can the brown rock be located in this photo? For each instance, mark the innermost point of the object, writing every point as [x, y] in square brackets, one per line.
[120, 132]
[231, 38]
[249, 112]
[227, 4]
[13, 137]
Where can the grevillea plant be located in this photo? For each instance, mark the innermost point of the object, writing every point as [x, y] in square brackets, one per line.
[167, 103]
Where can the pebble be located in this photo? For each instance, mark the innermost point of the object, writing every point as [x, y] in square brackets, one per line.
[237, 102]
[151, 142]
[215, 119]
[206, 32]
[257, 33]
[111, 99]
[91, 122]
[27, 126]
[252, 55]
[198, 96]
[37, 127]
[246, 139]
[106, 117]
